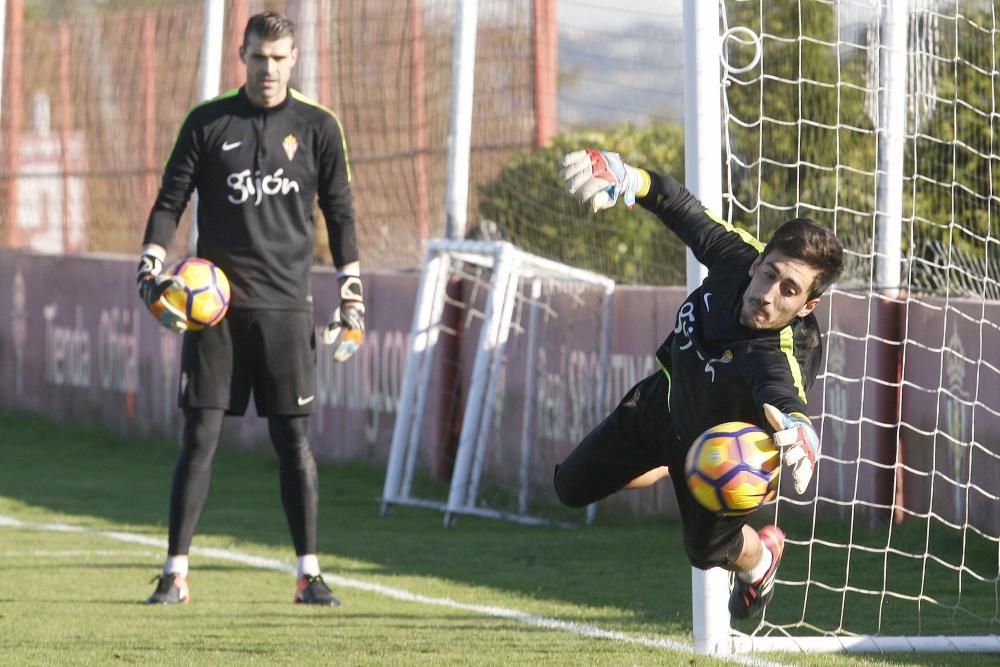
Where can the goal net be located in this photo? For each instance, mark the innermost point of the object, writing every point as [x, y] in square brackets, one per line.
[877, 118]
[507, 370]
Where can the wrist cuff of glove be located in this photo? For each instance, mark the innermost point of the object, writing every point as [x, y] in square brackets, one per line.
[351, 288]
[639, 180]
[154, 250]
[800, 418]
[353, 272]
[150, 265]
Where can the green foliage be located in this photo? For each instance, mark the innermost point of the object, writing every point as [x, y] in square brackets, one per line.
[955, 146]
[530, 207]
[801, 141]
[805, 141]
[803, 137]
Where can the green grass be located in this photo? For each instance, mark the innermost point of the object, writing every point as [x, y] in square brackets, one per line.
[73, 597]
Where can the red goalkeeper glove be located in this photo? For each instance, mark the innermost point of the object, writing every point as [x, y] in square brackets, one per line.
[601, 177]
[795, 436]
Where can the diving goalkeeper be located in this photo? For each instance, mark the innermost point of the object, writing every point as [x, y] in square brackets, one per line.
[745, 347]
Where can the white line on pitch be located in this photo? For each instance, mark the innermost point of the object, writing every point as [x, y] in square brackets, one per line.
[390, 591]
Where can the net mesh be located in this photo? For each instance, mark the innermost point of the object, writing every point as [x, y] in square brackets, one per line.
[901, 536]
[112, 82]
[514, 380]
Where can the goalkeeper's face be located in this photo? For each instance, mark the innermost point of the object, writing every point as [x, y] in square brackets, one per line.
[778, 292]
[269, 68]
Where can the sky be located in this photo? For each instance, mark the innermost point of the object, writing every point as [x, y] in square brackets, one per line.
[577, 12]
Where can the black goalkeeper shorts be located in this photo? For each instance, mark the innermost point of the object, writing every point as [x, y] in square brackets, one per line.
[270, 353]
[635, 438]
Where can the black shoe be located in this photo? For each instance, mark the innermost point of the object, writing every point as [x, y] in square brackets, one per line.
[170, 589]
[313, 590]
[747, 600]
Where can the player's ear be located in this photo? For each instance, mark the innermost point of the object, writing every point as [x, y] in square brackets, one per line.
[809, 306]
[295, 55]
[756, 263]
[243, 54]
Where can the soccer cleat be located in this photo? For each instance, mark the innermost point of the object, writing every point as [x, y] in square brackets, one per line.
[747, 600]
[313, 590]
[170, 589]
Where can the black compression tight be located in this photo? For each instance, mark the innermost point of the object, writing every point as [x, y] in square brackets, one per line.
[193, 472]
[299, 483]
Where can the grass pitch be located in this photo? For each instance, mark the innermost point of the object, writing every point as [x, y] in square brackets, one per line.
[82, 524]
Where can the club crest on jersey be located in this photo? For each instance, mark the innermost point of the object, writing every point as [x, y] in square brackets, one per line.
[290, 144]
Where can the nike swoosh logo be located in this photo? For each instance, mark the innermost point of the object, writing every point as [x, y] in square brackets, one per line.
[707, 294]
[305, 400]
[230, 146]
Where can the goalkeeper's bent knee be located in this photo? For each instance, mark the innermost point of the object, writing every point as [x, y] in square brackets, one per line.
[564, 492]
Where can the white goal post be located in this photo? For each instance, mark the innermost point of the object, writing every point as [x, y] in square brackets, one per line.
[878, 119]
[492, 293]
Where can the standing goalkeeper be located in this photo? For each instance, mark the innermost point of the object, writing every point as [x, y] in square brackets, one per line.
[259, 157]
[745, 347]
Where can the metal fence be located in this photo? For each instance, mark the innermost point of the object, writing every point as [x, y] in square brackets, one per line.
[94, 92]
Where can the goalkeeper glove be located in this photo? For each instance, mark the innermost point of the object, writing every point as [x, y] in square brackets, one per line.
[152, 286]
[346, 329]
[797, 439]
[600, 177]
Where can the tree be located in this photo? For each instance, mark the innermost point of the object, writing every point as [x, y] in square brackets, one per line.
[528, 205]
[800, 133]
[804, 143]
[954, 152]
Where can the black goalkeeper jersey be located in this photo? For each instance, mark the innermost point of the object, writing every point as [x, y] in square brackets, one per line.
[720, 370]
[258, 173]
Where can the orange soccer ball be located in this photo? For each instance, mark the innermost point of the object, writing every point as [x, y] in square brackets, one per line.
[733, 468]
[204, 299]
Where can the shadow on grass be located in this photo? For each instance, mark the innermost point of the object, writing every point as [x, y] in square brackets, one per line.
[622, 562]
[627, 564]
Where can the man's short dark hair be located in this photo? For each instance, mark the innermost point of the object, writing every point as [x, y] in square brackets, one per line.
[269, 26]
[808, 241]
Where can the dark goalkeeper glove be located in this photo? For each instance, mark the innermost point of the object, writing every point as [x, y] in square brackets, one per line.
[346, 329]
[152, 286]
[601, 177]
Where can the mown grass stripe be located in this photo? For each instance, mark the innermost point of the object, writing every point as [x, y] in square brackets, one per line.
[260, 562]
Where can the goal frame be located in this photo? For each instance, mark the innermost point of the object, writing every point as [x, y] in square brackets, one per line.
[704, 54]
[508, 265]
[866, 644]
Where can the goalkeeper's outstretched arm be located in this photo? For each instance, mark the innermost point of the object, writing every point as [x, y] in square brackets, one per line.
[601, 178]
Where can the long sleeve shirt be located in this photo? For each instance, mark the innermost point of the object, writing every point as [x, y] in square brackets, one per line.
[719, 369]
[258, 172]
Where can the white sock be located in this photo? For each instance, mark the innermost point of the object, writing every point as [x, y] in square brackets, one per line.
[176, 565]
[760, 569]
[307, 565]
